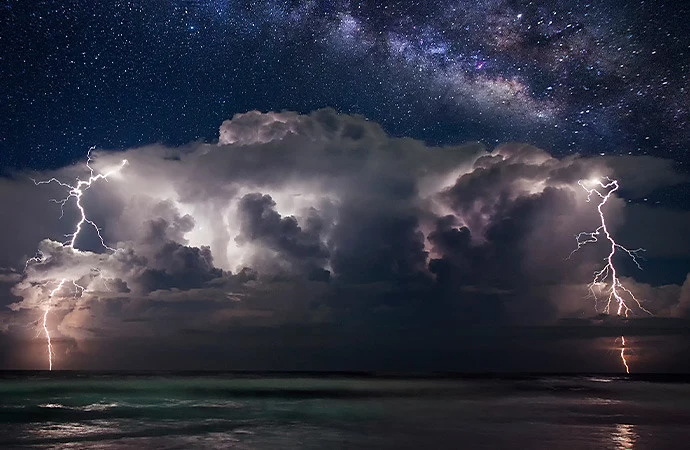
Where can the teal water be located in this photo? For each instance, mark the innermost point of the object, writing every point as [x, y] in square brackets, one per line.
[173, 411]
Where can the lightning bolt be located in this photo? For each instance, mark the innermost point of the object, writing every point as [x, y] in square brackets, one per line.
[625, 363]
[77, 290]
[617, 293]
[50, 345]
[45, 324]
[75, 192]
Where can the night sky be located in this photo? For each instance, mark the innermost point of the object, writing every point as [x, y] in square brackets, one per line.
[343, 185]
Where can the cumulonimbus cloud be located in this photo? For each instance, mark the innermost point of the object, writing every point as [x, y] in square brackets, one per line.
[323, 218]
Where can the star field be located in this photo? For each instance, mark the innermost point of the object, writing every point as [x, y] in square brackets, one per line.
[570, 77]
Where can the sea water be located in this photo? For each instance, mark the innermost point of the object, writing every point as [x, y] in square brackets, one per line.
[75, 410]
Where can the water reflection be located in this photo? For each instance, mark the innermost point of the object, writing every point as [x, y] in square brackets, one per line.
[624, 436]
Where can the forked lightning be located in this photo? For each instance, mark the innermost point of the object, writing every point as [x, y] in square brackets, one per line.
[617, 293]
[75, 192]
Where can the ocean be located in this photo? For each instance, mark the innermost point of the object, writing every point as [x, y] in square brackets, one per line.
[80, 410]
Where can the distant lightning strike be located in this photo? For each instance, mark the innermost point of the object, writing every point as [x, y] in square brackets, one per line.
[604, 188]
[625, 363]
[78, 288]
[45, 324]
[74, 192]
[50, 345]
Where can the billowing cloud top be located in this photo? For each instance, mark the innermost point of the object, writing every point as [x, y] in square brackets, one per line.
[321, 220]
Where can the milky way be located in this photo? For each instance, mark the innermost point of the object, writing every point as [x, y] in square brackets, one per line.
[566, 76]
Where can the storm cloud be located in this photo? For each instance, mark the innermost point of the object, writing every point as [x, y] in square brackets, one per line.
[325, 222]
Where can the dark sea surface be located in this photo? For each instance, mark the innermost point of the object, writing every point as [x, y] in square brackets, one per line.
[75, 410]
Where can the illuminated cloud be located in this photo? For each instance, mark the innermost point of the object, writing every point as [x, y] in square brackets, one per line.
[320, 220]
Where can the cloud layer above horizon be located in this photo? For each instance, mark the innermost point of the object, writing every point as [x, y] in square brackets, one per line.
[325, 221]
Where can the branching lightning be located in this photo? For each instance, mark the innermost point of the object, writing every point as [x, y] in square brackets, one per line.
[617, 293]
[75, 192]
[77, 289]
